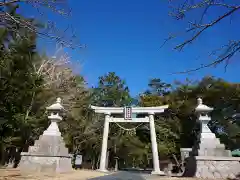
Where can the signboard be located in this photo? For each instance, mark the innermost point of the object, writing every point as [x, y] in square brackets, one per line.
[78, 160]
[128, 113]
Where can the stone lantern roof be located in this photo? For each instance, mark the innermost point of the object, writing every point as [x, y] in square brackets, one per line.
[202, 108]
[57, 106]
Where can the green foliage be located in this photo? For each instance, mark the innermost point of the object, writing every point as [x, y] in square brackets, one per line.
[18, 83]
[167, 126]
[111, 91]
[158, 88]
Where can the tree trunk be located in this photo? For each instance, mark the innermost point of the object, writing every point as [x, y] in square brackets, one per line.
[93, 162]
[116, 164]
[3, 159]
[115, 154]
[98, 161]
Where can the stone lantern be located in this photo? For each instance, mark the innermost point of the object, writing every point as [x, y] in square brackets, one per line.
[55, 118]
[209, 144]
[213, 161]
[48, 154]
[202, 112]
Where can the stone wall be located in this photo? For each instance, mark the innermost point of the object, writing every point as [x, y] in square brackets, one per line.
[215, 168]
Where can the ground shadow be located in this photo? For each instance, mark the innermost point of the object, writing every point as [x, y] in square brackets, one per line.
[122, 175]
[142, 171]
[190, 167]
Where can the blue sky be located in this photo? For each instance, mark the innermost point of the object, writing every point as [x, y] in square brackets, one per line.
[126, 36]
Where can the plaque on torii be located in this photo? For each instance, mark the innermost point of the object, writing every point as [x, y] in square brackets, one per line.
[127, 112]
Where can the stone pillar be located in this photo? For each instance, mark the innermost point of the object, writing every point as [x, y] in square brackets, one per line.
[104, 144]
[156, 166]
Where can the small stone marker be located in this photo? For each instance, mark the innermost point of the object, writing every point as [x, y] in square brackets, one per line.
[78, 160]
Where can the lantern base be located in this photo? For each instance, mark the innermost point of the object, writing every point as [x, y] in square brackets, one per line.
[48, 154]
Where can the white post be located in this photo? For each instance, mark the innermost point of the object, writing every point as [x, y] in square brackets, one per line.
[156, 166]
[104, 144]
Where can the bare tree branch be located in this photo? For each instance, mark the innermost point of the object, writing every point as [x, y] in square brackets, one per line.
[187, 5]
[50, 31]
[55, 73]
[231, 49]
[6, 3]
[204, 27]
[199, 27]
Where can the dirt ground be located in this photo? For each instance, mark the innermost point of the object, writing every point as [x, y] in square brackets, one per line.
[15, 174]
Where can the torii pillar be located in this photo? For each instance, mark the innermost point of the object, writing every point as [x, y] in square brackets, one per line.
[104, 144]
[156, 166]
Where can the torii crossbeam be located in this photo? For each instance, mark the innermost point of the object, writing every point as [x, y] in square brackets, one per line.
[150, 111]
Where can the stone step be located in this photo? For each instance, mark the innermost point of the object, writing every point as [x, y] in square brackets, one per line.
[50, 146]
[45, 164]
[229, 153]
[220, 152]
[210, 141]
[208, 135]
[49, 150]
[205, 146]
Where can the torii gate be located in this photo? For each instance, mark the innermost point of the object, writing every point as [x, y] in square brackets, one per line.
[127, 111]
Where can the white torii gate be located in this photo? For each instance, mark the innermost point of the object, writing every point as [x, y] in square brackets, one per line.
[127, 111]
